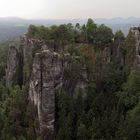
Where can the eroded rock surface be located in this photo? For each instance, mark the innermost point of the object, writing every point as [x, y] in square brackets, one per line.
[46, 69]
[14, 67]
[136, 33]
[46, 77]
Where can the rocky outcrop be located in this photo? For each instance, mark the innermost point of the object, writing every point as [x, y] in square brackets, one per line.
[118, 55]
[136, 33]
[46, 77]
[14, 67]
[48, 69]
[29, 47]
[82, 82]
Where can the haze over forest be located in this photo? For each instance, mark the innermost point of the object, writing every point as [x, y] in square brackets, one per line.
[16, 15]
[11, 28]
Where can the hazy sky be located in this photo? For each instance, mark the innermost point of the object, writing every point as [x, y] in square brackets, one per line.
[69, 9]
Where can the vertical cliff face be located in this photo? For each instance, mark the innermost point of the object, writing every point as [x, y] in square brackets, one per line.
[123, 54]
[118, 55]
[27, 49]
[46, 77]
[14, 67]
[136, 33]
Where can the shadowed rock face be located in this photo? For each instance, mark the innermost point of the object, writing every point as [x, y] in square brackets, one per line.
[14, 67]
[118, 53]
[46, 71]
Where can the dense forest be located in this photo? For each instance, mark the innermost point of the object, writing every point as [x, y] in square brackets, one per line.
[109, 107]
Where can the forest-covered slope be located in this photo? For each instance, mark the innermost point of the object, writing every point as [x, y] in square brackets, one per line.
[70, 82]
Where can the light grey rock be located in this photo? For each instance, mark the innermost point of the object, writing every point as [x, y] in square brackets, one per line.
[46, 77]
[43, 70]
[136, 33]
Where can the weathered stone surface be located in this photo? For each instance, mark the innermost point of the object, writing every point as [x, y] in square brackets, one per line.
[14, 68]
[29, 47]
[136, 33]
[107, 53]
[118, 55]
[46, 77]
[43, 69]
[82, 83]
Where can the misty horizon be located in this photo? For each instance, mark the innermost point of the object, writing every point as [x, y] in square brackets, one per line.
[16, 17]
[74, 9]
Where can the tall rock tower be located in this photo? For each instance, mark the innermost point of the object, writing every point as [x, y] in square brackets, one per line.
[136, 33]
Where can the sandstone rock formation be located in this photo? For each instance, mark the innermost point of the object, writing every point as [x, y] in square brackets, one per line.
[47, 70]
[42, 67]
[45, 79]
[136, 33]
[14, 67]
[118, 55]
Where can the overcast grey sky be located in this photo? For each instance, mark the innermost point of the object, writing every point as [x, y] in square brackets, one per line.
[69, 9]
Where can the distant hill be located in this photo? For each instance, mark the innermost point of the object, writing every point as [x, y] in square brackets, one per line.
[123, 24]
[12, 28]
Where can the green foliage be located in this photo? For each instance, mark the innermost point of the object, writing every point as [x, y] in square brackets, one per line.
[91, 30]
[107, 109]
[92, 117]
[15, 116]
[66, 33]
[130, 106]
[103, 36]
[112, 79]
[14, 109]
[32, 30]
[119, 34]
[131, 90]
